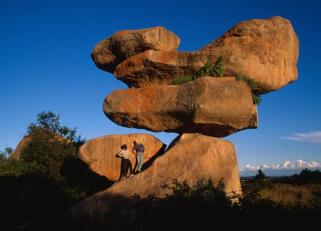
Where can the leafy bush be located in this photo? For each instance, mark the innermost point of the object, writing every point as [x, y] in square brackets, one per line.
[215, 70]
[252, 85]
[209, 69]
[179, 80]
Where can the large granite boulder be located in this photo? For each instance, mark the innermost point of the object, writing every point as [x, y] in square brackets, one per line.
[263, 50]
[159, 67]
[99, 153]
[191, 158]
[123, 44]
[208, 105]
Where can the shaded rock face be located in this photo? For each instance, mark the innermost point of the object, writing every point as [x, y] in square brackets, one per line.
[208, 105]
[99, 153]
[123, 44]
[192, 157]
[263, 50]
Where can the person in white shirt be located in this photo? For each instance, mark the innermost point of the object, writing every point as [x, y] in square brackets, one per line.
[125, 162]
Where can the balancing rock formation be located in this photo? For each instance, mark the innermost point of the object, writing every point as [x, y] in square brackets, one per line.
[263, 51]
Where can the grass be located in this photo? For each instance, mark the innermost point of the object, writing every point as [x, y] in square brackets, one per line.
[290, 195]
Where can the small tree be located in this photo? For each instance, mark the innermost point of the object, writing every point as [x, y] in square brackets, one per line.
[51, 143]
[260, 175]
[50, 122]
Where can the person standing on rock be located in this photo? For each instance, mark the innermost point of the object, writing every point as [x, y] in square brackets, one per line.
[139, 149]
[125, 162]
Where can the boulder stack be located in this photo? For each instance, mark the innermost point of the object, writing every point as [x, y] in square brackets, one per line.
[265, 50]
[253, 57]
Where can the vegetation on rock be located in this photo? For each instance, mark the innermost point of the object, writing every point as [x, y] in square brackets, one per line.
[209, 69]
[252, 85]
[179, 80]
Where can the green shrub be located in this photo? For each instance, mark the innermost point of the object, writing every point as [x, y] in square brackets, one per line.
[250, 82]
[252, 85]
[178, 80]
[210, 69]
[256, 99]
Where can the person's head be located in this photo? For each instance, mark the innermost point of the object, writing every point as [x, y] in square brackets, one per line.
[135, 142]
[124, 147]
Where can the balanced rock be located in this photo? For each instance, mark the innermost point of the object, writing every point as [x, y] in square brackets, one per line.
[263, 50]
[191, 158]
[123, 44]
[99, 153]
[208, 105]
[159, 67]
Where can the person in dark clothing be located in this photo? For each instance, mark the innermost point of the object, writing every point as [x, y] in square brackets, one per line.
[125, 162]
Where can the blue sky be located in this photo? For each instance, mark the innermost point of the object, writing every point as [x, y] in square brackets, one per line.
[45, 64]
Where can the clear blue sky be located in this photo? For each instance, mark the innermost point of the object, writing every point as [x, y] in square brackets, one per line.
[45, 64]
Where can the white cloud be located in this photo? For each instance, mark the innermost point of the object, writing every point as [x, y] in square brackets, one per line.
[312, 137]
[286, 165]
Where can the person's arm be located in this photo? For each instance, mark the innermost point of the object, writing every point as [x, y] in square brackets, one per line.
[120, 154]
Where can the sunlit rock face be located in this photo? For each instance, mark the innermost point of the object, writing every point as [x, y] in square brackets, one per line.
[99, 153]
[265, 50]
[208, 105]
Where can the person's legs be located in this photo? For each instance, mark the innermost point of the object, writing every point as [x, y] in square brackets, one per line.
[126, 161]
[136, 164]
[122, 169]
[140, 161]
[130, 167]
